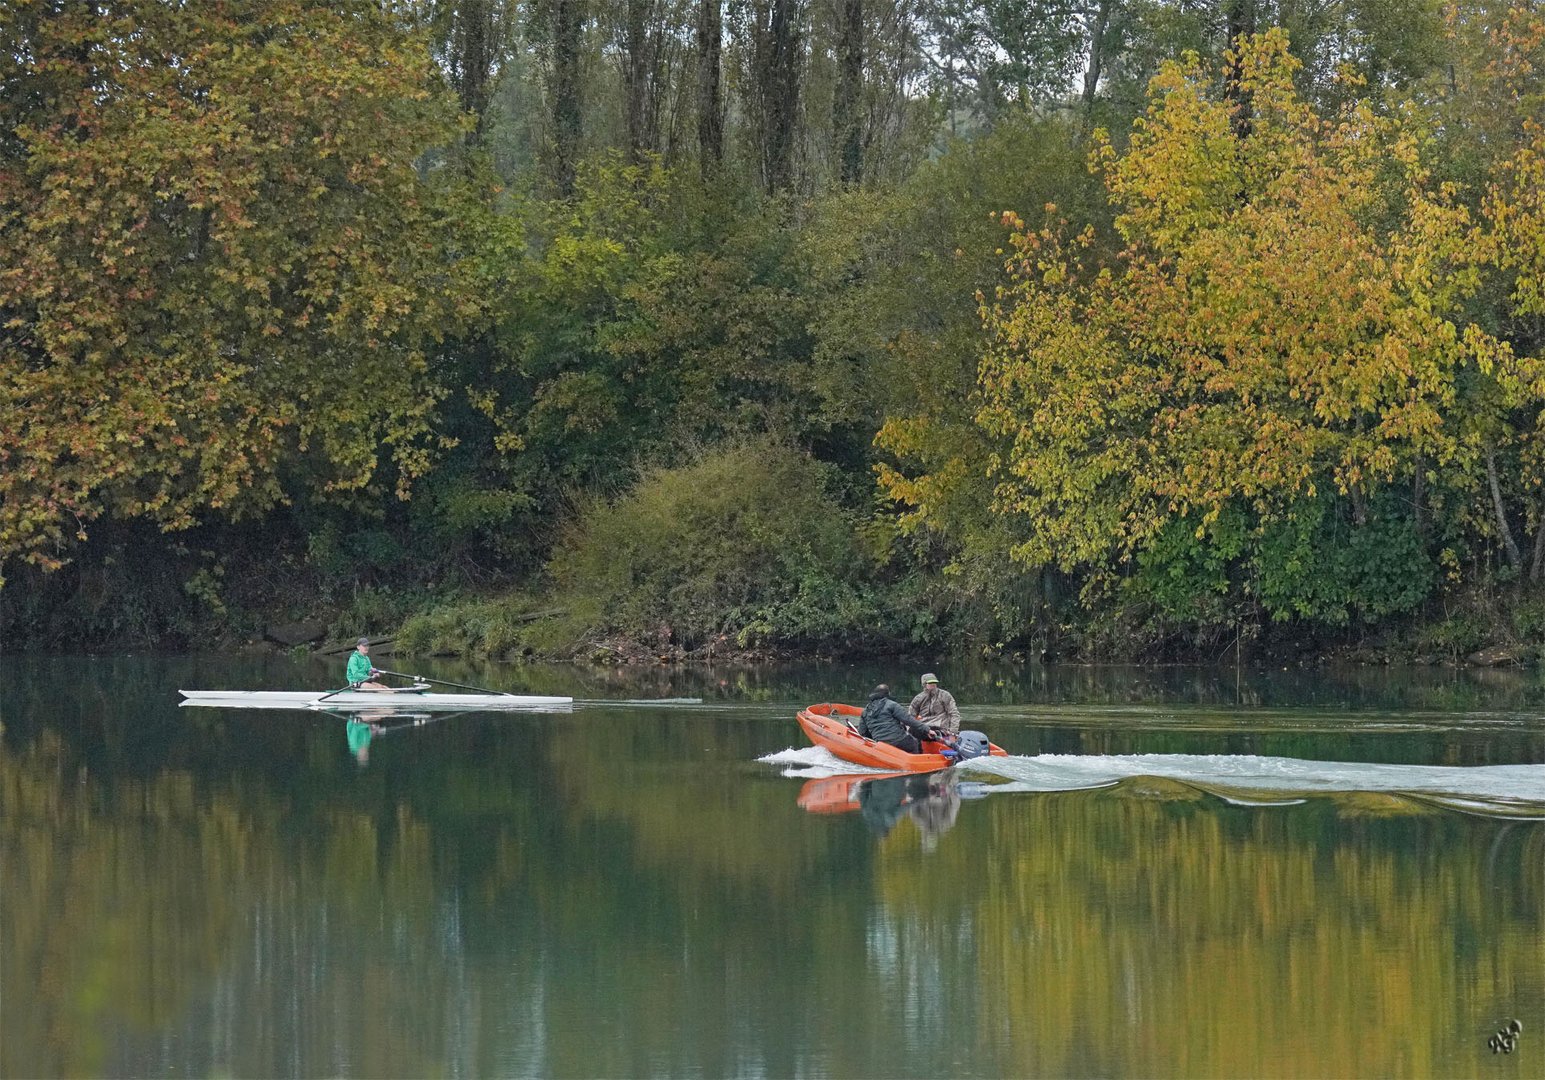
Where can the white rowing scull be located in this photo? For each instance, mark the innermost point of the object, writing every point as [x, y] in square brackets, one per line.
[412, 697]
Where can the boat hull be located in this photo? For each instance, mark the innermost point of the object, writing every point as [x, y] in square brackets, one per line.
[826, 725]
[411, 698]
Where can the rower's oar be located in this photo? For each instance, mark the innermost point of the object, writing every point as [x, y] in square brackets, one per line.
[332, 693]
[446, 682]
[351, 686]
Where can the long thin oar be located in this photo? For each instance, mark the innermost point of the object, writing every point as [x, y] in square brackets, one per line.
[446, 682]
[351, 686]
[608, 702]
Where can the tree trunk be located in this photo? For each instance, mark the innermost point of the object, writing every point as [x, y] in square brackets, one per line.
[847, 118]
[472, 38]
[634, 75]
[1240, 19]
[710, 102]
[640, 47]
[1537, 566]
[950, 91]
[568, 20]
[1514, 559]
[776, 75]
[1096, 56]
[475, 61]
[1359, 505]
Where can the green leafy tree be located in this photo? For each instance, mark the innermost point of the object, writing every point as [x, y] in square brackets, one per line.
[646, 318]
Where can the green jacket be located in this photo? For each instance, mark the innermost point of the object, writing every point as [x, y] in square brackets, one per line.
[359, 668]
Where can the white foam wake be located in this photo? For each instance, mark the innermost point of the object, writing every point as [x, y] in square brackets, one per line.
[1250, 773]
[814, 761]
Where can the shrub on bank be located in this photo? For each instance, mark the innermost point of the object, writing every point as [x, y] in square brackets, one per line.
[743, 546]
[485, 629]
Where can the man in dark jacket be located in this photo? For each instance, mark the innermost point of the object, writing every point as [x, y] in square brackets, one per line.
[887, 721]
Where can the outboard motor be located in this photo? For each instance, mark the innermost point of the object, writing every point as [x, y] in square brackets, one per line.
[970, 744]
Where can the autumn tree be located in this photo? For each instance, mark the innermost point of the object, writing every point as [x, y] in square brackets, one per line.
[1491, 259]
[218, 265]
[1267, 335]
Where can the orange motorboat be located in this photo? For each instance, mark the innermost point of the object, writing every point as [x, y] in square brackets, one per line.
[834, 726]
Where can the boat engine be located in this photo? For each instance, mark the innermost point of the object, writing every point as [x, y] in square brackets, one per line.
[970, 744]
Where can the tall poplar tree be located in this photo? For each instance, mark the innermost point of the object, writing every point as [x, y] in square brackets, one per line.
[847, 118]
[710, 94]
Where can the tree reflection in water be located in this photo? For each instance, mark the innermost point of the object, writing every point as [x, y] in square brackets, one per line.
[628, 892]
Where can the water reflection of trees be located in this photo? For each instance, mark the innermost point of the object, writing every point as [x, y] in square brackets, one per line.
[207, 896]
[1247, 930]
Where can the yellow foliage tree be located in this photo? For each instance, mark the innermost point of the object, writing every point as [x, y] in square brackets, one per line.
[1271, 328]
[217, 259]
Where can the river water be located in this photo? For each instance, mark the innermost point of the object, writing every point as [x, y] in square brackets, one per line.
[1176, 873]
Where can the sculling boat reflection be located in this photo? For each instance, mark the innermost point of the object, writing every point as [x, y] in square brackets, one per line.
[360, 728]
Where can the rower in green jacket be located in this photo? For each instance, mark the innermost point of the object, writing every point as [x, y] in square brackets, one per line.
[360, 673]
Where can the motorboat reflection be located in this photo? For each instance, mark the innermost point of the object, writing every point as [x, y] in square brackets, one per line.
[930, 800]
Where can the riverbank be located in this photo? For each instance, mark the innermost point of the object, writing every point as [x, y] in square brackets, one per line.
[123, 599]
[1481, 632]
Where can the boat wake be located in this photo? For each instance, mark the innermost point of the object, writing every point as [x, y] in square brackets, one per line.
[813, 762]
[1517, 790]
[1511, 790]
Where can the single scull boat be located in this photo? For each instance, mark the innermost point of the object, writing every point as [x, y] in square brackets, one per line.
[416, 698]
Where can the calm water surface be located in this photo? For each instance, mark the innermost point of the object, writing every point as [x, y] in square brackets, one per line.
[1178, 873]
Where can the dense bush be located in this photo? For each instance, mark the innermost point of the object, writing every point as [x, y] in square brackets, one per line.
[488, 629]
[1315, 564]
[742, 546]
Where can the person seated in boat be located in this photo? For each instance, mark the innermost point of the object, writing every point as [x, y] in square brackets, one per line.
[360, 674]
[885, 721]
[935, 707]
